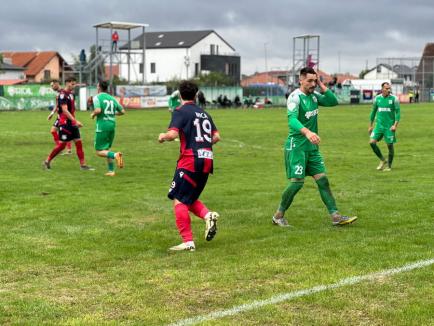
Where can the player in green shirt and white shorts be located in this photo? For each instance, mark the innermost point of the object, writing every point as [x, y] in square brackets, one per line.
[105, 109]
[302, 156]
[387, 112]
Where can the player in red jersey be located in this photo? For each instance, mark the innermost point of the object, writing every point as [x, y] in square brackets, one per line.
[55, 86]
[68, 126]
[197, 134]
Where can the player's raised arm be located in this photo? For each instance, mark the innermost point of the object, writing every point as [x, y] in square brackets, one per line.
[326, 97]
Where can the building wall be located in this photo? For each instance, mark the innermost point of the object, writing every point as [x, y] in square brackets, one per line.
[383, 74]
[179, 63]
[12, 75]
[53, 66]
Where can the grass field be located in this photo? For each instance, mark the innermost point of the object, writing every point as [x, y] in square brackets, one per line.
[79, 248]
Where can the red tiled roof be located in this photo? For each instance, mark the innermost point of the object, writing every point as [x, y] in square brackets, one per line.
[34, 62]
[261, 78]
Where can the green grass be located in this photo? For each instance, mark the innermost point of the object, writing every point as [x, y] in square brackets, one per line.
[78, 248]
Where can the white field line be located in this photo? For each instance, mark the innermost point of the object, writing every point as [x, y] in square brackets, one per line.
[297, 294]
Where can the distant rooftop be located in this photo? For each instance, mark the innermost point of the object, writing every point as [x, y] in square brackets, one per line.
[120, 25]
[177, 39]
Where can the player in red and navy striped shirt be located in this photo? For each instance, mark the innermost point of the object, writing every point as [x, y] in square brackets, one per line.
[197, 133]
[68, 126]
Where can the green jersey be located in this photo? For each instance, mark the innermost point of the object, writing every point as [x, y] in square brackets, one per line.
[105, 121]
[174, 100]
[387, 111]
[303, 112]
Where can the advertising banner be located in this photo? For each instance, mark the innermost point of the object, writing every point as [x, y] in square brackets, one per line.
[143, 102]
[139, 91]
[28, 91]
[26, 103]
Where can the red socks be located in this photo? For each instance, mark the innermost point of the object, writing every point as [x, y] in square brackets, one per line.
[68, 146]
[59, 147]
[183, 222]
[80, 153]
[198, 209]
[55, 137]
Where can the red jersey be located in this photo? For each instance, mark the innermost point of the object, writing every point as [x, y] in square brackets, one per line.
[65, 98]
[195, 128]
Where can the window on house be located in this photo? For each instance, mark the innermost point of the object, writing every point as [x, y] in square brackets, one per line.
[196, 69]
[47, 74]
[216, 49]
[153, 68]
[212, 49]
[378, 69]
[141, 68]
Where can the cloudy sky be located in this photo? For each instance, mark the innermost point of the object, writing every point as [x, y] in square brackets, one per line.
[353, 33]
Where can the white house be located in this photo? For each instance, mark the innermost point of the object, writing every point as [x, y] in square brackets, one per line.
[381, 71]
[180, 55]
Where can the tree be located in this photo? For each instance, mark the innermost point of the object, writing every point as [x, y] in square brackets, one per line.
[363, 73]
[1, 58]
[214, 78]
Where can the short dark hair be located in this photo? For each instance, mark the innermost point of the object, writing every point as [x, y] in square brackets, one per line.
[307, 70]
[188, 90]
[103, 84]
[70, 79]
[382, 84]
[55, 81]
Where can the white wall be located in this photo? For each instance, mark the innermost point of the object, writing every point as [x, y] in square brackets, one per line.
[11, 74]
[384, 74]
[171, 63]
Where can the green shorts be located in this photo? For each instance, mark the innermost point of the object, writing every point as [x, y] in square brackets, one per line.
[379, 133]
[104, 139]
[299, 163]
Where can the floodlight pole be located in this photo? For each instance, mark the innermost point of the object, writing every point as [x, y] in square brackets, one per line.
[96, 55]
[111, 58]
[129, 54]
[143, 56]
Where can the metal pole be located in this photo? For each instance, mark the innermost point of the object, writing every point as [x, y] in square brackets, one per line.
[129, 54]
[111, 59]
[96, 55]
[143, 56]
[317, 65]
[266, 68]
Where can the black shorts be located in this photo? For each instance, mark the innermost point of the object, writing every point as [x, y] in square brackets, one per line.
[68, 133]
[187, 186]
[56, 123]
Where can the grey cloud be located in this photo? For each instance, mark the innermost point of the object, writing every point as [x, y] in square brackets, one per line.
[359, 30]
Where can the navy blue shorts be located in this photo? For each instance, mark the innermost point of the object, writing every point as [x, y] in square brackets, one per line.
[56, 123]
[68, 133]
[187, 186]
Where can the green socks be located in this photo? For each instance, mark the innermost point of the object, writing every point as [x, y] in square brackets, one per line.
[326, 194]
[377, 151]
[111, 166]
[111, 155]
[289, 194]
[391, 154]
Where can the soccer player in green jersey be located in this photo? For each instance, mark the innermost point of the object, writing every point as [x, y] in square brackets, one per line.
[106, 107]
[386, 108]
[302, 156]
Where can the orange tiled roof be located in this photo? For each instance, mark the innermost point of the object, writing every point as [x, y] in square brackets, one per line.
[33, 61]
[261, 78]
